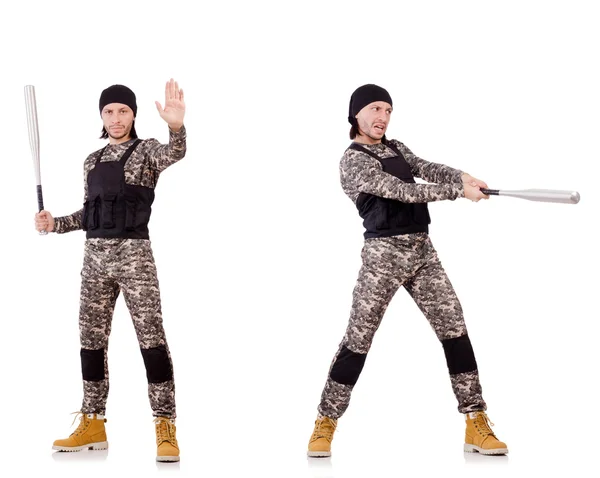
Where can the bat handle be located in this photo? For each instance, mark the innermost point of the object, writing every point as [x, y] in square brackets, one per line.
[40, 199]
[490, 192]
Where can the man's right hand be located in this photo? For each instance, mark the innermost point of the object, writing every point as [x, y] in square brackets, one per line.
[473, 193]
[44, 221]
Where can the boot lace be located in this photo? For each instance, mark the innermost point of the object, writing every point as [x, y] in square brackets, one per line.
[165, 431]
[324, 428]
[484, 424]
[83, 423]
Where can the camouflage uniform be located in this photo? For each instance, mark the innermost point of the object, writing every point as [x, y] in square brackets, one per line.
[112, 265]
[388, 263]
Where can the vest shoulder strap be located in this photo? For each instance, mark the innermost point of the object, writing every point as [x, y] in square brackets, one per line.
[125, 156]
[362, 149]
[394, 148]
[129, 151]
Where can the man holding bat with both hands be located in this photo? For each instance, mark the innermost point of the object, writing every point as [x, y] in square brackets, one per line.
[119, 182]
[378, 176]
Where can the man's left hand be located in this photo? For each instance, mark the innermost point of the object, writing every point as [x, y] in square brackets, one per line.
[468, 179]
[174, 109]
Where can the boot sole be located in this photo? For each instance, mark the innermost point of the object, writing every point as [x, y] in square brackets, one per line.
[101, 445]
[494, 451]
[167, 459]
[318, 454]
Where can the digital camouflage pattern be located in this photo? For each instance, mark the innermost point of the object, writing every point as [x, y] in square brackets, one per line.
[162, 398]
[387, 264]
[335, 398]
[143, 168]
[361, 173]
[114, 265]
[109, 267]
[408, 260]
[467, 389]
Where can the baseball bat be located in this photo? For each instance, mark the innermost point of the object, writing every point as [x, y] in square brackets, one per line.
[34, 142]
[542, 195]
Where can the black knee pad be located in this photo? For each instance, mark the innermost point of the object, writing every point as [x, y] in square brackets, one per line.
[158, 365]
[92, 365]
[459, 355]
[347, 367]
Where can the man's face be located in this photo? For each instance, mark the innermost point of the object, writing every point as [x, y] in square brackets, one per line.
[373, 120]
[118, 120]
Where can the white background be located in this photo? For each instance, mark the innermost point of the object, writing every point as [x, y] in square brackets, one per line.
[258, 248]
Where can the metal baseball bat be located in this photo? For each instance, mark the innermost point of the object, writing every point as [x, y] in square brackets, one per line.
[542, 195]
[34, 142]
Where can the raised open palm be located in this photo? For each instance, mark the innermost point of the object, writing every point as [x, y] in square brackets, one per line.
[174, 109]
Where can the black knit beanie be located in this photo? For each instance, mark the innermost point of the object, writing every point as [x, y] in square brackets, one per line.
[118, 94]
[364, 96]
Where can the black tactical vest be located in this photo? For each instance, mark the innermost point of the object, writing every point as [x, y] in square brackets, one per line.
[384, 217]
[114, 208]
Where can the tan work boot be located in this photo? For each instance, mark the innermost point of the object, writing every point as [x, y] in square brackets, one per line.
[320, 441]
[480, 438]
[89, 434]
[166, 442]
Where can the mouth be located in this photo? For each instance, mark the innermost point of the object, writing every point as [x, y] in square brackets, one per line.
[379, 127]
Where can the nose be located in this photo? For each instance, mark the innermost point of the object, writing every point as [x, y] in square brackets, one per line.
[382, 117]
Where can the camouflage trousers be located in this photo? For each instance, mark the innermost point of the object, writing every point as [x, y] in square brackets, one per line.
[111, 266]
[387, 263]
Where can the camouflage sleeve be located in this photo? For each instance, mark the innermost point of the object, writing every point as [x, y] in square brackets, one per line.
[161, 156]
[430, 172]
[68, 223]
[360, 173]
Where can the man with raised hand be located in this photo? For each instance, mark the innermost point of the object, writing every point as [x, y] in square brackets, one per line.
[119, 183]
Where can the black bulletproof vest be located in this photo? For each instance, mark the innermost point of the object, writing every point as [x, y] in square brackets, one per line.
[384, 217]
[114, 208]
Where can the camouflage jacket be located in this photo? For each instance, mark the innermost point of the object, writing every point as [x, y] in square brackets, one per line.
[144, 166]
[361, 173]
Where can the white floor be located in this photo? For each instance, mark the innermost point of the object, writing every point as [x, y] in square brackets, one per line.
[273, 461]
[417, 444]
